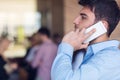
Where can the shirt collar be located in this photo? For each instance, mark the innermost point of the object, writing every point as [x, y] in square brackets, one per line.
[102, 45]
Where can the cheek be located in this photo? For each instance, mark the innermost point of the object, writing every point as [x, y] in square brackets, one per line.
[88, 23]
[84, 24]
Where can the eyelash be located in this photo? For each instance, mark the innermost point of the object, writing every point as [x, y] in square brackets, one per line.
[83, 17]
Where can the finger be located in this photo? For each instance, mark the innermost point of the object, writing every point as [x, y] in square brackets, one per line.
[71, 32]
[82, 31]
[87, 35]
[77, 31]
[84, 46]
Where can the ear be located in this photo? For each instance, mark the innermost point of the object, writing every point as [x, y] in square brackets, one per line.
[105, 24]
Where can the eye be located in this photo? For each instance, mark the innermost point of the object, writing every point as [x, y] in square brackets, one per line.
[83, 17]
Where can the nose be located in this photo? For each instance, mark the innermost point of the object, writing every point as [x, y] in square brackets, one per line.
[76, 21]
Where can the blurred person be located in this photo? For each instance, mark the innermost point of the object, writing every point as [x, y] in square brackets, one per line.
[45, 55]
[57, 38]
[14, 69]
[4, 43]
[31, 52]
[34, 45]
[101, 61]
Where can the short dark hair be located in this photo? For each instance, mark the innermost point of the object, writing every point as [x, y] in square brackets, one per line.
[44, 31]
[107, 10]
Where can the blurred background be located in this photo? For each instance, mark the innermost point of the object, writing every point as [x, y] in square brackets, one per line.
[20, 19]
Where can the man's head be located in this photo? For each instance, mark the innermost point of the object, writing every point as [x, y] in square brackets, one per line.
[34, 39]
[98, 10]
[44, 33]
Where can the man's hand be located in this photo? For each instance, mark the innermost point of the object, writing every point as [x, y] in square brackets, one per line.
[76, 38]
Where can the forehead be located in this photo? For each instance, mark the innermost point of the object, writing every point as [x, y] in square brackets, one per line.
[87, 11]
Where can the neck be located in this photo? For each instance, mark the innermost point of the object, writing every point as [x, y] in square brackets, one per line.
[102, 38]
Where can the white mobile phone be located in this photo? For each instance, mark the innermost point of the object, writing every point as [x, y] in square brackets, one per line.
[100, 29]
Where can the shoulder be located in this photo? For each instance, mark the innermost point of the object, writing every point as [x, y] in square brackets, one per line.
[111, 52]
[107, 58]
[50, 45]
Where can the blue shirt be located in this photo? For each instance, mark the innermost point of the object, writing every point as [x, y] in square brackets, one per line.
[101, 62]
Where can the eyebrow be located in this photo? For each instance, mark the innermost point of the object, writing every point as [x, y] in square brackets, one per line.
[83, 14]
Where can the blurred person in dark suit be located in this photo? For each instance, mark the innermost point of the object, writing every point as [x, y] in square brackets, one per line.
[4, 43]
[31, 52]
[34, 43]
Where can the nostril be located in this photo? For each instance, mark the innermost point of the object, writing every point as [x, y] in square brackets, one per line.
[74, 22]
